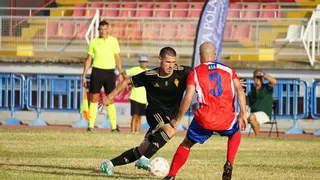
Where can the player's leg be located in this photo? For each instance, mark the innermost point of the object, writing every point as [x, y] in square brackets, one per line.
[109, 85]
[156, 139]
[254, 123]
[195, 134]
[234, 138]
[126, 157]
[141, 112]
[138, 124]
[133, 115]
[159, 138]
[95, 87]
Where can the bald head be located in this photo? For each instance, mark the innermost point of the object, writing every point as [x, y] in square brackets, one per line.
[207, 52]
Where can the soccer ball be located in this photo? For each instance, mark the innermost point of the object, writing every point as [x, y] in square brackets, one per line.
[159, 167]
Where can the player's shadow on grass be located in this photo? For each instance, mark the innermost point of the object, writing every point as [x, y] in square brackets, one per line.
[92, 172]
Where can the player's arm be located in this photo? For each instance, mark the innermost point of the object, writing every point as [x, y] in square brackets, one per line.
[184, 105]
[123, 85]
[272, 80]
[124, 74]
[87, 64]
[118, 62]
[242, 103]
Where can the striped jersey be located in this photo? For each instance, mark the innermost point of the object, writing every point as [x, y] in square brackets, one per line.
[216, 92]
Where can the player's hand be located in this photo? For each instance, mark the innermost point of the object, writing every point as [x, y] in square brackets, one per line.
[243, 83]
[242, 122]
[121, 78]
[107, 101]
[169, 130]
[84, 81]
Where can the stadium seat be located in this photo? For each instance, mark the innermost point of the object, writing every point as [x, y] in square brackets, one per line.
[52, 29]
[252, 10]
[168, 32]
[195, 10]
[79, 12]
[112, 10]
[228, 32]
[250, 1]
[93, 8]
[269, 1]
[151, 31]
[118, 30]
[162, 10]
[134, 31]
[287, 1]
[271, 14]
[81, 29]
[294, 33]
[243, 32]
[67, 30]
[128, 10]
[145, 10]
[187, 31]
[236, 13]
[180, 10]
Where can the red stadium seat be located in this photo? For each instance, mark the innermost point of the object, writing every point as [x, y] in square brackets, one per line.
[134, 31]
[287, 1]
[168, 31]
[195, 10]
[93, 9]
[128, 10]
[236, 13]
[243, 32]
[252, 11]
[188, 31]
[275, 13]
[52, 31]
[81, 30]
[162, 10]
[112, 10]
[67, 30]
[150, 31]
[268, 1]
[145, 10]
[180, 10]
[118, 30]
[79, 12]
[53, 28]
[228, 32]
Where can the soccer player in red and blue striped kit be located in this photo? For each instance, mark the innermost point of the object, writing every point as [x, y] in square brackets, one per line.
[216, 85]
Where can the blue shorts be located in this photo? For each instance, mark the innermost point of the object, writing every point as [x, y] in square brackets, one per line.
[200, 135]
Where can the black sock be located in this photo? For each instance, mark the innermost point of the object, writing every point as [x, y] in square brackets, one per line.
[157, 141]
[127, 157]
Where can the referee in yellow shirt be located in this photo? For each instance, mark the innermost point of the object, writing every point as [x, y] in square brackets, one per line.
[104, 51]
[138, 95]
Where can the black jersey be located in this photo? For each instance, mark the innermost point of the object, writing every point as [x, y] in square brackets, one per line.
[164, 94]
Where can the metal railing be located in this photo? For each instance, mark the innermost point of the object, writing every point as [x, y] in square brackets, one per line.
[63, 93]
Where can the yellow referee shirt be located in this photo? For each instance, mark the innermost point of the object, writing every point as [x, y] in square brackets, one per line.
[103, 51]
[137, 94]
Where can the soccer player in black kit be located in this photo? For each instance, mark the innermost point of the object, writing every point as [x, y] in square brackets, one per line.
[165, 86]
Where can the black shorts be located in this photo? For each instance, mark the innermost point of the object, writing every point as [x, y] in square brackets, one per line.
[156, 117]
[102, 77]
[137, 108]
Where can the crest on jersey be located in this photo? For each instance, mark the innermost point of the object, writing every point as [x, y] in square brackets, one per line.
[156, 85]
[176, 82]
